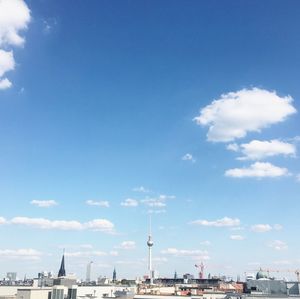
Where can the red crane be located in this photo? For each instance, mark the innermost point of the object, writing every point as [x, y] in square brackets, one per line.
[201, 272]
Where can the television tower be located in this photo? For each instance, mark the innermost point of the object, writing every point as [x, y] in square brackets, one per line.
[150, 244]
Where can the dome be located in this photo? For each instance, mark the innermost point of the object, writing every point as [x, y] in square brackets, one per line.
[261, 275]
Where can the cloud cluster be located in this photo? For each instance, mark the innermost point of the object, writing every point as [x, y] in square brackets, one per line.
[237, 237]
[258, 170]
[102, 225]
[157, 204]
[14, 18]
[278, 245]
[102, 203]
[224, 222]
[127, 245]
[248, 110]
[22, 254]
[44, 203]
[195, 254]
[129, 202]
[263, 228]
[259, 150]
[188, 157]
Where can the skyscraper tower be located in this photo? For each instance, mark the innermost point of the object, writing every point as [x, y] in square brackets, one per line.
[62, 270]
[150, 244]
[88, 272]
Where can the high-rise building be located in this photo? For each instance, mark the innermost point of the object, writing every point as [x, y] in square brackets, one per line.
[11, 276]
[88, 272]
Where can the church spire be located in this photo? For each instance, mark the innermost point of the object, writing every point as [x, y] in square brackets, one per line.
[62, 270]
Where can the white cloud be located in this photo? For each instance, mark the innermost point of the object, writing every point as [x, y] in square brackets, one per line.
[224, 222]
[127, 245]
[44, 203]
[157, 202]
[258, 170]
[140, 189]
[14, 17]
[195, 254]
[233, 147]
[102, 203]
[235, 114]
[85, 253]
[102, 225]
[154, 203]
[5, 84]
[7, 62]
[188, 157]
[278, 245]
[22, 254]
[259, 150]
[237, 237]
[129, 202]
[2, 220]
[263, 228]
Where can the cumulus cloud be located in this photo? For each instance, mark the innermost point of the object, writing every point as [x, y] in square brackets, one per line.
[235, 114]
[7, 62]
[14, 17]
[263, 228]
[127, 245]
[5, 83]
[102, 203]
[188, 157]
[278, 245]
[129, 202]
[2, 220]
[258, 170]
[22, 254]
[237, 237]
[102, 225]
[44, 203]
[224, 222]
[259, 150]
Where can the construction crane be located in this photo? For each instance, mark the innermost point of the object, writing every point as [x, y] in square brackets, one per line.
[201, 272]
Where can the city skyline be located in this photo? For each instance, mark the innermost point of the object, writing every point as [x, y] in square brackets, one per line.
[114, 111]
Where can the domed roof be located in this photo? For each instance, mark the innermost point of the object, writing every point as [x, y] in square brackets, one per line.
[261, 275]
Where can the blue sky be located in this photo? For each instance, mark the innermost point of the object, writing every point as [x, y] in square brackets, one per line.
[194, 101]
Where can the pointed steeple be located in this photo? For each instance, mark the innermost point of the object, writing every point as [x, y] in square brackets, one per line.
[114, 275]
[62, 270]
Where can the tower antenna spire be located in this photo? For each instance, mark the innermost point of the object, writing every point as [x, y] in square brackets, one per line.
[150, 244]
